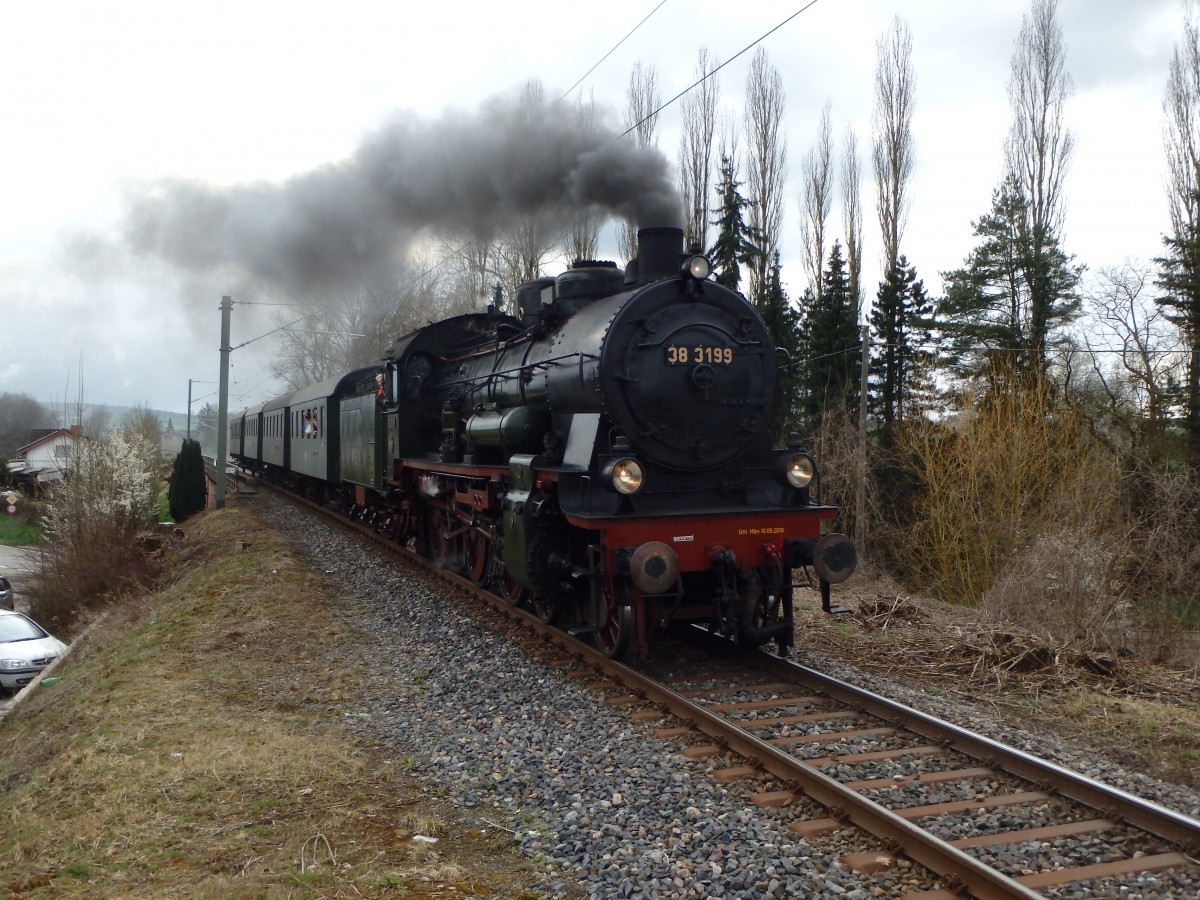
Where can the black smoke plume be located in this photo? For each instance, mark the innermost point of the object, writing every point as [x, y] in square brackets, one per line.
[462, 174]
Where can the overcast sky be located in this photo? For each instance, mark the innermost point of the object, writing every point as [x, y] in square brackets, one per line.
[102, 101]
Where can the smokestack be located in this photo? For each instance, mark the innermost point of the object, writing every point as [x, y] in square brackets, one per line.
[660, 253]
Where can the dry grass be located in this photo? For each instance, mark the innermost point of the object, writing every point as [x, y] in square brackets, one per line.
[1127, 708]
[192, 750]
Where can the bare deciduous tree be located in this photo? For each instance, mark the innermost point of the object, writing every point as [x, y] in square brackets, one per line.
[1135, 381]
[99, 418]
[816, 198]
[699, 112]
[143, 424]
[474, 258]
[892, 150]
[583, 229]
[1181, 129]
[852, 216]
[525, 249]
[319, 345]
[1039, 143]
[766, 163]
[642, 99]
[355, 327]
[1038, 152]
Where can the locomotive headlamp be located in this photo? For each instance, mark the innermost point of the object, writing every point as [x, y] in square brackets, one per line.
[795, 470]
[698, 267]
[625, 475]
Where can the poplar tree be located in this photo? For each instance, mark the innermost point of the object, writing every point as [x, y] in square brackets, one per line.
[892, 151]
[766, 164]
[698, 110]
[1039, 150]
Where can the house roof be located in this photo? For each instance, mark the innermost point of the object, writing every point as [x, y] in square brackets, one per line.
[49, 435]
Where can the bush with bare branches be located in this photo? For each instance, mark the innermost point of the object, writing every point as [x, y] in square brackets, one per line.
[835, 447]
[1068, 582]
[1164, 564]
[989, 483]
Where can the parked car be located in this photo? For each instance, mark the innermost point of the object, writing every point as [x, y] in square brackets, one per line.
[6, 593]
[25, 649]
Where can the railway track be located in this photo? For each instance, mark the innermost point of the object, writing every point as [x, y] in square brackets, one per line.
[988, 820]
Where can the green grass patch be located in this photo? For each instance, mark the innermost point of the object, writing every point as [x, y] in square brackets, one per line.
[16, 531]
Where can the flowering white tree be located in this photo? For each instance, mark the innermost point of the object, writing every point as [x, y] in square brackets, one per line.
[93, 520]
[111, 483]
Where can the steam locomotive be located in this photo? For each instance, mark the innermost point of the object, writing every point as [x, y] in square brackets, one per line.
[601, 457]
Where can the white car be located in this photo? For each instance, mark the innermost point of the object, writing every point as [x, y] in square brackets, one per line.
[25, 649]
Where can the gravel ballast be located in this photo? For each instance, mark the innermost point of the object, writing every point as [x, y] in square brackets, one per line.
[611, 811]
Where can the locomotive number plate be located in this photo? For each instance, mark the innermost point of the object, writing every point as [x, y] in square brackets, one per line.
[696, 354]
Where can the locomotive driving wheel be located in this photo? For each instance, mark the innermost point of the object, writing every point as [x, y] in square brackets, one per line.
[615, 636]
[447, 551]
[477, 550]
[509, 588]
[544, 607]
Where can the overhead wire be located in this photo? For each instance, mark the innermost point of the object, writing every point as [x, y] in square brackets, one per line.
[445, 259]
[582, 77]
[708, 75]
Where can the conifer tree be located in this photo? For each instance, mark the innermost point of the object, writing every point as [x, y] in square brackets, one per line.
[736, 243]
[186, 492]
[1016, 289]
[830, 340]
[900, 323]
[1179, 277]
[783, 322]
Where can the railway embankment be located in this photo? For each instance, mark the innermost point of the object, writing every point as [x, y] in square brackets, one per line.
[195, 746]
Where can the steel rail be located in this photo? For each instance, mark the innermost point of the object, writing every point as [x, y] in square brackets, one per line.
[960, 871]
[1175, 827]
[957, 868]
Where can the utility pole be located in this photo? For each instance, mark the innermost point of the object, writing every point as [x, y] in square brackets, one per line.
[189, 419]
[860, 494]
[222, 404]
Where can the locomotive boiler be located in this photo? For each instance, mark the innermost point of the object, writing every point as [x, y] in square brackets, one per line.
[603, 456]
